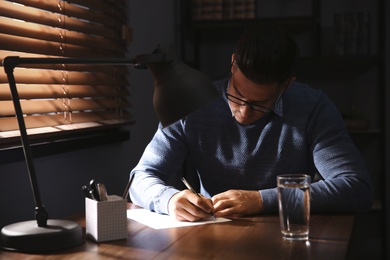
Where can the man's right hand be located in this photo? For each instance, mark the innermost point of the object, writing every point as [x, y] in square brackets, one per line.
[187, 206]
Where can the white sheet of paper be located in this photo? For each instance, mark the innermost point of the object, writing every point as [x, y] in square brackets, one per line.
[159, 221]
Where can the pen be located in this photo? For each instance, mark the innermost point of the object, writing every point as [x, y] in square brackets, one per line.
[126, 192]
[193, 191]
[102, 191]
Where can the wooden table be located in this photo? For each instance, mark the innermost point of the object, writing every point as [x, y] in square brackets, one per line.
[245, 238]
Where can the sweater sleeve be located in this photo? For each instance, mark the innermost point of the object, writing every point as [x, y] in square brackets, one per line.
[162, 158]
[345, 184]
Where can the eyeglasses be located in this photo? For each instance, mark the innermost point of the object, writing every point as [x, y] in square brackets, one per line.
[242, 102]
[253, 106]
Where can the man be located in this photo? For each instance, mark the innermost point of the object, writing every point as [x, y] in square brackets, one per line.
[262, 125]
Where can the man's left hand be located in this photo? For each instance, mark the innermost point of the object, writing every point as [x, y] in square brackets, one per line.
[237, 203]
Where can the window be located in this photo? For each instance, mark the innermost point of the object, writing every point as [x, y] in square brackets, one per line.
[61, 99]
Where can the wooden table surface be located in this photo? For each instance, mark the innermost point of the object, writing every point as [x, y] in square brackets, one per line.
[244, 238]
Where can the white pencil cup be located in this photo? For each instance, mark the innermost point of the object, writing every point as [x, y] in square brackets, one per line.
[106, 220]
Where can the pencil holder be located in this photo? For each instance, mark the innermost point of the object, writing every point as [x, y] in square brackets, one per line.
[106, 220]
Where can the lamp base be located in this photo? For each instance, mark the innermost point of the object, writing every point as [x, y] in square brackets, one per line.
[28, 237]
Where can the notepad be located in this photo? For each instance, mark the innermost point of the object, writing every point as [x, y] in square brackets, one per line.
[159, 221]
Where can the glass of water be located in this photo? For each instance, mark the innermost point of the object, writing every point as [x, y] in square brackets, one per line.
[294, 205]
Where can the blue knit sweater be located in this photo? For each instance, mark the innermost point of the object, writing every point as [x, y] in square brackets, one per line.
[305, 134]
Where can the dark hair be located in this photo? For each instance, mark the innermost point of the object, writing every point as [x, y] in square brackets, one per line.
[266, 54]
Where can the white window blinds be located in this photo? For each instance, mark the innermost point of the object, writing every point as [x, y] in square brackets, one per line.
[58, 98]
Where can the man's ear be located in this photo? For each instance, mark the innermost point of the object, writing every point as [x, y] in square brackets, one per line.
[232, 62]
[289, 82]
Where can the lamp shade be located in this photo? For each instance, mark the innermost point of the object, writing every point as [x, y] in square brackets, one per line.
[179, 89]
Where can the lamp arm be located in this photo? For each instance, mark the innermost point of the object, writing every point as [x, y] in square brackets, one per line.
[139, 61]
[41, 214]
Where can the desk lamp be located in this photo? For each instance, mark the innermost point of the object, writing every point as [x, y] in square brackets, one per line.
[178, 91]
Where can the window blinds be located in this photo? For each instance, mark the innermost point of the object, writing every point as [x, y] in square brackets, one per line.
[58, 98]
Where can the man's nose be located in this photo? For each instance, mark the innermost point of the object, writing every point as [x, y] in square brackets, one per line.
[246, 110]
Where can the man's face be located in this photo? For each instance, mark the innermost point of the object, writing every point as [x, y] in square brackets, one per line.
[249, 101]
